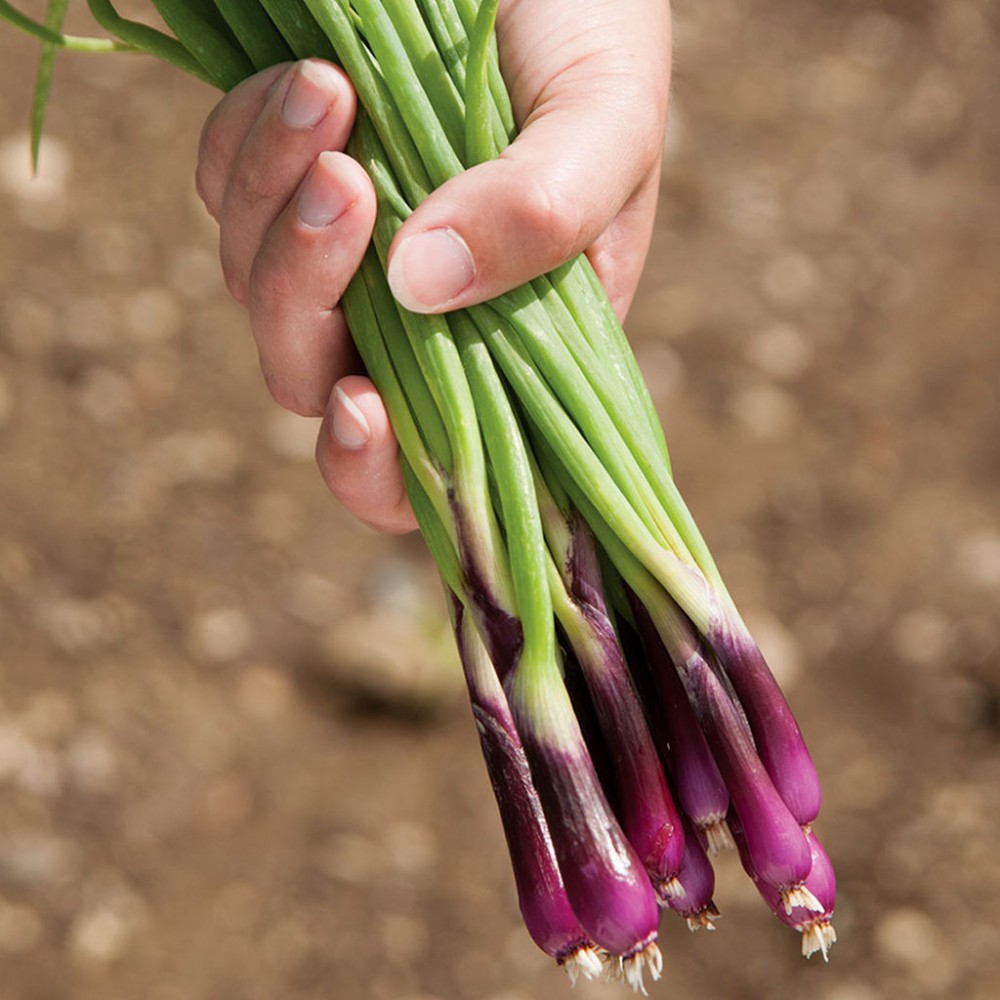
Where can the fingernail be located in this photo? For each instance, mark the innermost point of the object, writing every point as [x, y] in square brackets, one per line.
[430, 269]
[349, 426]
[307, 100]
[322, 200]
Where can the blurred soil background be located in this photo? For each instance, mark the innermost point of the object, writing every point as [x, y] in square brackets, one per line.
[235, 760]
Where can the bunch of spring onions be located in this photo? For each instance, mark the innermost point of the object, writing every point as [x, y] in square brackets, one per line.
[630, 726]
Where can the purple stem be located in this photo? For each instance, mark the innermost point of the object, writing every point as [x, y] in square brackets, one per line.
[544, 904]
[697, 877]
[605, 881]
[813, 922]
[776, 733]
[647, 811]
[775, 841]
[695, 775]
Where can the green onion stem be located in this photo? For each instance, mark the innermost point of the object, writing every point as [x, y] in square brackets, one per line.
[361, 306]
[402, 41]
[54, 17]
[466, 12]
[437, 141]
[73, 43]
[214, 47]
[453, 43]
[572, 388]
[480, 142]
[255, 31]
[299, 29]
[505, 443]
[397, 146]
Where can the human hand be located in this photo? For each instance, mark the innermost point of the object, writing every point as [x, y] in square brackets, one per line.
[589, 83]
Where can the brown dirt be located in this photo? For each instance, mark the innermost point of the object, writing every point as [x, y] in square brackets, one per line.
[211, 788]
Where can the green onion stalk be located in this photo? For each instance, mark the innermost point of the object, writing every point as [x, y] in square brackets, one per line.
[537, 468]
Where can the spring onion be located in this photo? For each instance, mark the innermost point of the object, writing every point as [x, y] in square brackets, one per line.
[537, 468]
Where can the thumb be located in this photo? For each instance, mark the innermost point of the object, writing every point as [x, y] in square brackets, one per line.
[546, 198]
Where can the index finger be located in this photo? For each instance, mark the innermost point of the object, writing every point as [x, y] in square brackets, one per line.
[226, 129]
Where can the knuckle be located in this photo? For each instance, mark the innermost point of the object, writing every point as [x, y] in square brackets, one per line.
[549, 215]
[288, 396]
[254, 182]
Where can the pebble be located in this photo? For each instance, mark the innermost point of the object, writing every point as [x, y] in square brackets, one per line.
[114, 249]
[790, 279]
[77, 624]
[352, 858]
[832, 86]
[766, 412]
[152, 314]
[404, 939]
[34, 858]
[922, 637]
[208, 456]
[910, 939]
[400, 662]
[979, 558]
[851, 990]
[100, 936]
[780, 351]
[752, 207]
[221, 635]
[933, 108]
[410, 848]
[30, 765]
[212, 455]
[40, 772]
[110, 918]
[92, 761]
[311, 598]
[397, 584]
[105, 396]
[156, 377]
